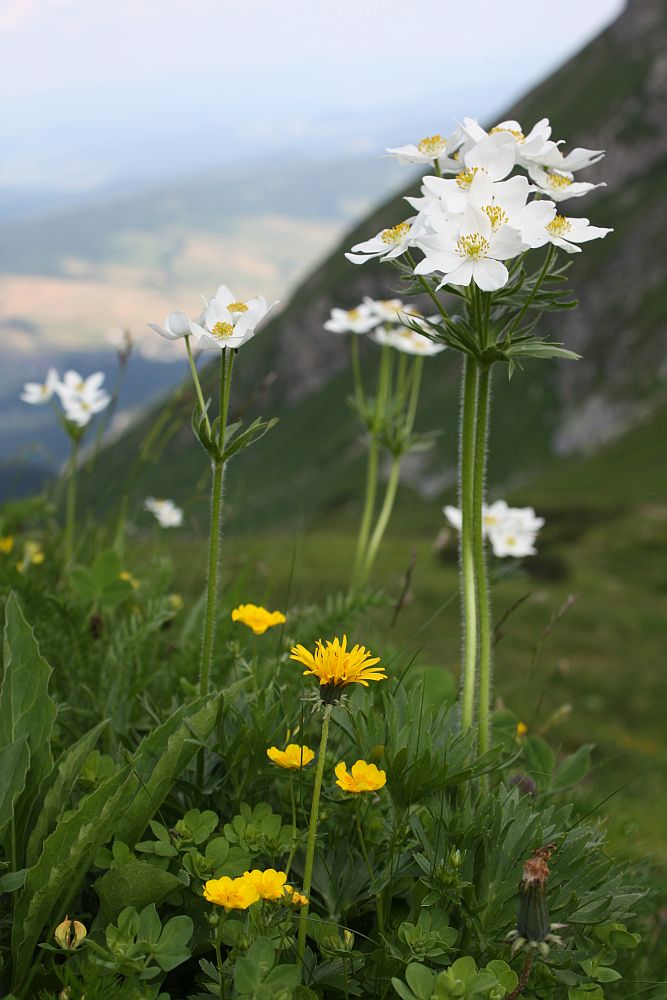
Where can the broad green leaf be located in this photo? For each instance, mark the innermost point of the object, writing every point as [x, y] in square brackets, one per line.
[160, 759]
[26, 708]
[67, 855]
[540, 760]
[12, 881]
[172, 947]
[420, 980]
[573, 769]
[136, 883]
[14, 763]
[68, 768]
[255, 966]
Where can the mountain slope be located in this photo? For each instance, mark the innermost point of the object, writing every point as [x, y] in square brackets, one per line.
[611, 95]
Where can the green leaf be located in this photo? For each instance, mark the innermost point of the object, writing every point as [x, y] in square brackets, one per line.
[12, 881]
[573, 769]
[160, 759]
[539, 759]
[67, 855]
[106, 568]
[14, 764]
[26, 708]
[255, 966]
[68, 768]
[420, 980]
[585, 992]
[172, 947]
[136, 883]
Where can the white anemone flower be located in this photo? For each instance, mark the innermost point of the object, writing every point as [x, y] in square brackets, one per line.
[528, 146]
[82, 398]
[167, 514]
[37, 393]
[560, 184]
[506, 203]
[176, 326]
[361, 319]
[389, 310]
[433, 149]
[228, 323]
[565, 232]
[388, 243]
[512, 531]
[470, 250]
[406, 340]
[494, 157]
[577, 159]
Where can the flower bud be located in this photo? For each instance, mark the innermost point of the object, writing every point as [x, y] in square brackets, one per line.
[70, 934]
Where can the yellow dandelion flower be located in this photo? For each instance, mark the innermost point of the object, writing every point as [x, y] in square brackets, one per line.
[363, 777]
[268, 884]
[293, 757]
[257, 618]
[232, 893]
[6, 544]
[336, 666]
[293, 898]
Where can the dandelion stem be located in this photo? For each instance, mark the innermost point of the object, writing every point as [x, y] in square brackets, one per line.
[371, 873]
[312, 833]
[481, 572]
[197, 383]
[70, 511]
[467, 549]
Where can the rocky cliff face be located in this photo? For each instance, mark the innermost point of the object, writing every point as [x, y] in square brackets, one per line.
[612, 95]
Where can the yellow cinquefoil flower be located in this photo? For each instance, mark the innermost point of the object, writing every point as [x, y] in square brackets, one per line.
[257, 618]
[337, 666]
[6, 544]
[293, 757]
[362, 778]
[232, 893]
[294, 898]
[127, 576]
[33, 555]
[269, 884]
[69, 934]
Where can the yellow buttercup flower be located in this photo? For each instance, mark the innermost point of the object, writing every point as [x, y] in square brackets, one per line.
[33, 555]
[294, 898]
[69, 934]
[269, 884]
[337, 666]
[521, 729]
[127, 576]
[6, 544]
[293, 757]
[232, 893]
[257, 618]
[363, 777]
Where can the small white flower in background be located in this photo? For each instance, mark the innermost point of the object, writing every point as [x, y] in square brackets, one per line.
[388, 243]
[389, 310]
[361, 319]
[120, 339]
[167, 514]
[404, 339]
[431, 149]
[469, 250]
[175, 327]
[512, 531]
[228, 323]
[82, 398]
[37, 393]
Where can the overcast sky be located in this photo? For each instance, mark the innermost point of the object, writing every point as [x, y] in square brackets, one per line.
[95, 91]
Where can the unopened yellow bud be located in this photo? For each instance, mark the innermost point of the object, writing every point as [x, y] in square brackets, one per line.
[70, 934]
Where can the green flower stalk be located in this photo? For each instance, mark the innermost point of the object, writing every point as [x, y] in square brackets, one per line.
[312, 833]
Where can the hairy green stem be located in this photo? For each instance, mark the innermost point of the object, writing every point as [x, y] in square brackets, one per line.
[481, 573]
[383, 516]
[70, 510]
[384, 379]
[312, 834]
[467, 549]
[197, 384]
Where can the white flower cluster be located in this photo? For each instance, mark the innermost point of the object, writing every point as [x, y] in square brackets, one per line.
[224, 323]
[386, 322]
[166, 513]
[512, 531]
[81, 398]
[500, 201]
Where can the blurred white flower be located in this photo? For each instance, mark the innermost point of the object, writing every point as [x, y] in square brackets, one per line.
[229, 323]
[431, 149]
[37, 393]
[82, 398]
[176, 326]
[404, 339]
[167, 514]
[361, 319]
[388, 243]
[512, 531]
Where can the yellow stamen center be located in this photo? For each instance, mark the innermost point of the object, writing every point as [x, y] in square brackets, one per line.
[556, 180]
[221, 331]
[237, 307]
[559, 226]
[497, 216]
[465, 177]
[472, 246]
[395, 234]
[519, 136]
[353, 314]
[432, 145]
